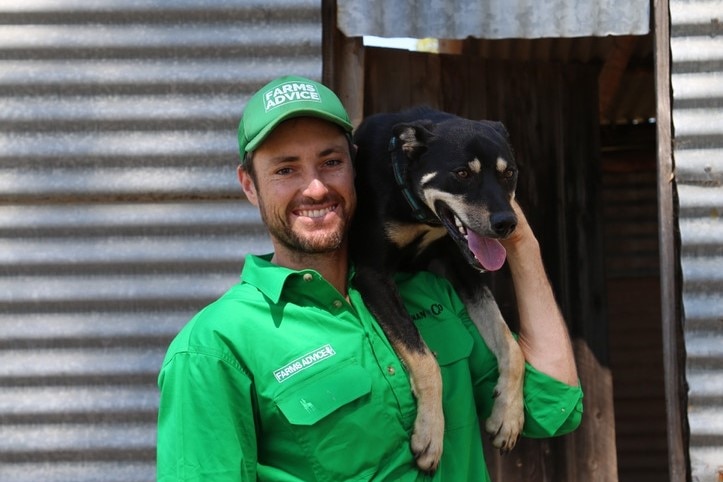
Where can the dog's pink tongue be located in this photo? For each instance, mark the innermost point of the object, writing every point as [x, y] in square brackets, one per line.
[489, 252]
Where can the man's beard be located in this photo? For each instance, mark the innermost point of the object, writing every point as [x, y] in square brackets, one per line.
[315, 243]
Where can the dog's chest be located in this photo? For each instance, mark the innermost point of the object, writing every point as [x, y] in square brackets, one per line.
[403, 235]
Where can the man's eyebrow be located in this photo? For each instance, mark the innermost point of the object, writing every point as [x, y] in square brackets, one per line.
[283, 158]
[332, 150]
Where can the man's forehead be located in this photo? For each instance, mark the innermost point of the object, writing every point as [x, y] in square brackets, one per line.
[305, 133]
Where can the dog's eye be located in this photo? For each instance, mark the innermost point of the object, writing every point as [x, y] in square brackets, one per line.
[462, 173]
[509, 173]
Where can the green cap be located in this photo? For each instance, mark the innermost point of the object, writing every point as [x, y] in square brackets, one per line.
[282, 99]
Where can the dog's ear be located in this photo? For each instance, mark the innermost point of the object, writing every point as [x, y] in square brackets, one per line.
[414, 137]
[498, 127]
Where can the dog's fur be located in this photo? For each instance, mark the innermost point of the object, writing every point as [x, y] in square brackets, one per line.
[458, 172]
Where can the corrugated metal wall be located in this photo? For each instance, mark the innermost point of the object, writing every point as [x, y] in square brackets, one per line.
[120, 214]
[493, 19]
[697, 80]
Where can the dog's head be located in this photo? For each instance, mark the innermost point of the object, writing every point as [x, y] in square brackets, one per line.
[465, 172]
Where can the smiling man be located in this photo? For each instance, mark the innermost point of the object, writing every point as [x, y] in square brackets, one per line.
[287, 377]
[302, 180]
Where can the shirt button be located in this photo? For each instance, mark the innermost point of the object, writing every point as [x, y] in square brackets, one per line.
[308, 277]
[391, 370]
[337, 303]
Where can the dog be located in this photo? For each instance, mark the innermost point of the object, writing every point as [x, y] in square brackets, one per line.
[425, 180]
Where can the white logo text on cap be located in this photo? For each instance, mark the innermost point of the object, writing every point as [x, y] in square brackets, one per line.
[290, 92]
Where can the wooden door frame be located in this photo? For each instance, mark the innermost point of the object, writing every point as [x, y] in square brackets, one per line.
[669, 243]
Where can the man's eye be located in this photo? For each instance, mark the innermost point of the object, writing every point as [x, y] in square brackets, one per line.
[283, 171]
[332, 162]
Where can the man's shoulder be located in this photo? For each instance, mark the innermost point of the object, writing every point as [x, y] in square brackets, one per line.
[223, 322]
[235, 304]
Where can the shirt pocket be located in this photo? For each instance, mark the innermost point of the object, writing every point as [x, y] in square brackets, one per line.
[452, 344]
[448, 339]
[326, 425]
[315, 398]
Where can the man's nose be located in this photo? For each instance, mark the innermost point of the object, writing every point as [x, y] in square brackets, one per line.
[316, 188]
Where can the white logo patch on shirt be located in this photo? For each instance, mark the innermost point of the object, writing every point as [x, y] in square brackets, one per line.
[304, 362]
[290, 92]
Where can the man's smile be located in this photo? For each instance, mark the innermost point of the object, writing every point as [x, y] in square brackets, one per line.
[316, 213]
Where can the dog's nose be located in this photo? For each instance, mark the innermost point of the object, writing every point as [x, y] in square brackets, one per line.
[503, 223]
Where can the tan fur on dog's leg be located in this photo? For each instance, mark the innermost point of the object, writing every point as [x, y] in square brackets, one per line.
[426, 380]
[507, 417]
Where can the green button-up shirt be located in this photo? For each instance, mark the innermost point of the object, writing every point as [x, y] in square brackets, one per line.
[283, 379]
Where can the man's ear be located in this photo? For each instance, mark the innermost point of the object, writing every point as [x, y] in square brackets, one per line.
[247, 184]
[414, 137]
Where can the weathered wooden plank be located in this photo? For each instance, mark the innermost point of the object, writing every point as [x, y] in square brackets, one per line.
[670, 279]
[591, 451]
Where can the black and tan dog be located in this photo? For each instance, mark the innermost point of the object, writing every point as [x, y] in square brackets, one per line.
[426, 178]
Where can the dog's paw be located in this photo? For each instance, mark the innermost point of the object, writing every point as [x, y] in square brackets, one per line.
[505, 423]
[427, 441]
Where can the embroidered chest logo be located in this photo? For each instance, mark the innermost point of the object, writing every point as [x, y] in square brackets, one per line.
[304, 362]
[435, 309]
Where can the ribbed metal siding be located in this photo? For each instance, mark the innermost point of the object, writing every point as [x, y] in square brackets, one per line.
[697, 80]
[493, 19]
[120, 215]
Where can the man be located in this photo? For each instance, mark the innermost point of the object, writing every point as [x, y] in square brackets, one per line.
[287, 377]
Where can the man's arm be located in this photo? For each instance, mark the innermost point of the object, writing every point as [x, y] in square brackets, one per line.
[205, 423]
[543, 334]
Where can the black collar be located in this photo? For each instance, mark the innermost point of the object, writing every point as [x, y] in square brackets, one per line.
[420, 211]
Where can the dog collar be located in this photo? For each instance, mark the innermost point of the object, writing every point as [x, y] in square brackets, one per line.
[420, 211]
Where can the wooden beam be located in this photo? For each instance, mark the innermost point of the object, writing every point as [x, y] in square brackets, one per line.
[670, 276]
[343, 63]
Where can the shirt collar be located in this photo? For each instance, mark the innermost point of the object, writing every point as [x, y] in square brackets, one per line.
[270, 278]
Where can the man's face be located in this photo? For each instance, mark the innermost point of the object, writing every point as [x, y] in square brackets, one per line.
[304, 186]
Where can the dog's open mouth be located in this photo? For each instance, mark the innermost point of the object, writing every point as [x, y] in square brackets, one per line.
[482, 252]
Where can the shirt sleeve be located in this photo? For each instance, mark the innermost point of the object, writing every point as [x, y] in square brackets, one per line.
[206, 429]
[551, 407]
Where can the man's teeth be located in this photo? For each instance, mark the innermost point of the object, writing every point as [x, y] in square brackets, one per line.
[315, 213]
[460, 226]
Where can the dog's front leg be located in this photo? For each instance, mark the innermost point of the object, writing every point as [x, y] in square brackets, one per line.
[426, 381]
[507, 417]
[384, 302]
